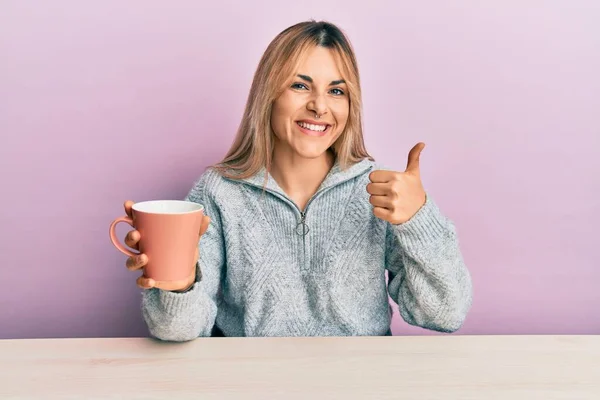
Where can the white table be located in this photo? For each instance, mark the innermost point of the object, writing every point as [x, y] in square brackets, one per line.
[422, 367]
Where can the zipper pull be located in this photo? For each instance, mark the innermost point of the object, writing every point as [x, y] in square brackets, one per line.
[302, 229]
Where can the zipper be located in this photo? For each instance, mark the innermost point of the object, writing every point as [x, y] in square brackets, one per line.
[302, 228]
[305, 229]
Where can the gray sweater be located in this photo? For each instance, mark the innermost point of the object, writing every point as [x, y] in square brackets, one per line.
[268, 269]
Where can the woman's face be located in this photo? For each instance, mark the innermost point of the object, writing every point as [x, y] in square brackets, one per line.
[316, 89]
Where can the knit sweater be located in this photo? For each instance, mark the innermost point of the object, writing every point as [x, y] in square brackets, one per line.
[268, 269]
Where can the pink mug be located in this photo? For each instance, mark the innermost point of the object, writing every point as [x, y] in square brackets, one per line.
[169, 233]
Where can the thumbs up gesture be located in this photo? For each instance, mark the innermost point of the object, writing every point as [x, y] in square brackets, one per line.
[397, 196]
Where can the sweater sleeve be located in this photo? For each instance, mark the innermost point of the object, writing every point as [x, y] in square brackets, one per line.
[185, 316]
[427, 275]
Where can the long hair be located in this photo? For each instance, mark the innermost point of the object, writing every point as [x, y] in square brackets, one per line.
[252, 148]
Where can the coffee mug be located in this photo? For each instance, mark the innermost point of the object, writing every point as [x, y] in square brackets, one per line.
[169, 233]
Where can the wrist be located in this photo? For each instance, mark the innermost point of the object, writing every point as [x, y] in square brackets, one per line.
[187, 288]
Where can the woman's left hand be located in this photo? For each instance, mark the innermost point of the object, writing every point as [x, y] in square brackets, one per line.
[397, 196]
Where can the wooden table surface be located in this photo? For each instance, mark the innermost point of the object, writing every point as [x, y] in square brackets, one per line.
[416, 367]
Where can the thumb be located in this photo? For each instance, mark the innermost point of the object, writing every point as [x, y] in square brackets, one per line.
[413, 158]
[204, 225]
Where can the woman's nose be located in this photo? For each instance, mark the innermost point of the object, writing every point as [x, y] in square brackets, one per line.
[318, 105]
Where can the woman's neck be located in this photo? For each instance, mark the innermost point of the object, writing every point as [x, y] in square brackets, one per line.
[300, 177]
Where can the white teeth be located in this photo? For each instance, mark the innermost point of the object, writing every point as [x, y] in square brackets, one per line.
[316, 128]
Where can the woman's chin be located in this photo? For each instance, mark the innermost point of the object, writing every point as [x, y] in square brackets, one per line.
[311, 152]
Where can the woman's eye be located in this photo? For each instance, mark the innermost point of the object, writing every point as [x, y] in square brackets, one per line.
[302, 86]
[299, 86]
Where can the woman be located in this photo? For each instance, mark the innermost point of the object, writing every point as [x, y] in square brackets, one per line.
[302, 225]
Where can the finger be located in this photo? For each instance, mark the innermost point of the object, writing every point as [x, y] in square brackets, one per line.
[381, 201]
[145, 283]
[136, 262]
[381, 176]
[382, 213]
[204, 225]
[412, 164]
[128, 206]
[132, 239]
[378, 189]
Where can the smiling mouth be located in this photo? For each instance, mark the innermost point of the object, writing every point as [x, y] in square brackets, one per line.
[313, 129]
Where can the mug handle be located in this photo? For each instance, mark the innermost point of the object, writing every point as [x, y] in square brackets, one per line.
[115, 241]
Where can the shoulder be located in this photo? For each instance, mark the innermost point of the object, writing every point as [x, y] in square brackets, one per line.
[207, 186]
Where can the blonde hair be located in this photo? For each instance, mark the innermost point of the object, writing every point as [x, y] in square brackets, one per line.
[252, 147]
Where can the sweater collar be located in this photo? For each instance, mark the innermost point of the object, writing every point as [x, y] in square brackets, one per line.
[335, 176]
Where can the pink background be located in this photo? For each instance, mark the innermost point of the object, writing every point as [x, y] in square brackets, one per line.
[102, 101]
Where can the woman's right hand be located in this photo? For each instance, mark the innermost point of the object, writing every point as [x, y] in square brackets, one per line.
[138, 262]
